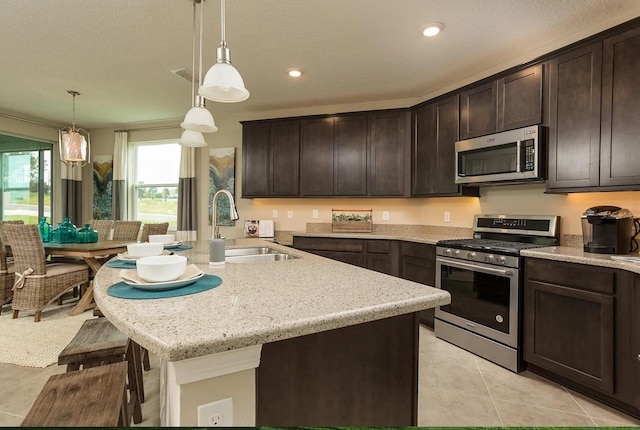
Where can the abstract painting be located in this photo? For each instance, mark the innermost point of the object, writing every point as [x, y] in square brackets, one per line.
[222, 176]
[102, 186]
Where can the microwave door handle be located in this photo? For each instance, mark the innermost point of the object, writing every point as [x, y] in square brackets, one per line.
[518, 149]
[489, 270]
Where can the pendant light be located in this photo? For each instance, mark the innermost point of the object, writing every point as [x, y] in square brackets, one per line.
[222, 82]
[192, 138]
[74, 143]
[198, 118]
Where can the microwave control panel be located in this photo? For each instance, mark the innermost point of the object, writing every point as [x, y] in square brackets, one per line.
[528, 155]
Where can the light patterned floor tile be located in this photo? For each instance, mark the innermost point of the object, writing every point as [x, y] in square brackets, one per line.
[451, 375]
[515, 414]
[600, 411]
[440, 407]
[10, 420]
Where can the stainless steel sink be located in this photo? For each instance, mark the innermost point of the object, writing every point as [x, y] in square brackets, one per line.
[259, 258]
[250, 251]
[256, 255]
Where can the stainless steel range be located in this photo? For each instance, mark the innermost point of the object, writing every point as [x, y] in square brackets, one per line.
[484, 276]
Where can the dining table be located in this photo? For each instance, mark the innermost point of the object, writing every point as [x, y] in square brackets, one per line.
[94, 254]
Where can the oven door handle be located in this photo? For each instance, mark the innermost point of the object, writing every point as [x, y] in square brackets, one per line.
[476, 268]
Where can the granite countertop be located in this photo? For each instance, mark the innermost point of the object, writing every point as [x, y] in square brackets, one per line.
[261, 303]
[577, 255]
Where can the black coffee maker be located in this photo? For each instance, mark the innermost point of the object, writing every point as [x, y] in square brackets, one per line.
[607, 230]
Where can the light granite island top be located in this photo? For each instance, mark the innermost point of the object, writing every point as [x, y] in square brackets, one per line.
[577, 255]
[256, 304]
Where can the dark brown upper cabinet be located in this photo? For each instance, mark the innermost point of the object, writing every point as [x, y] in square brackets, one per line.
[435, 131]
[356, 155]
[574, 118]
[389, 153]
[620, 134]
[510, 102]
[593, 116]
[270, 158]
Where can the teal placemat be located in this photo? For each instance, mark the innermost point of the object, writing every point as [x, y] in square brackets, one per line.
[126, 291]
[182, 247]
[121, 264]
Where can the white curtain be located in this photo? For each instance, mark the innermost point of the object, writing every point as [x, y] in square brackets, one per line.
[120, 150]
[187, 208]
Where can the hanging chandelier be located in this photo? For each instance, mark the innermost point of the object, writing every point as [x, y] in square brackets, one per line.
[223, 82]
[74, 143]
[198, 118]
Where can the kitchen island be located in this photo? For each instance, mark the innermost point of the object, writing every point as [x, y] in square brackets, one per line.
[308, 341]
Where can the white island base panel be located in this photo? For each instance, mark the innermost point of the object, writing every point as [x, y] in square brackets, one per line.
[187, 384]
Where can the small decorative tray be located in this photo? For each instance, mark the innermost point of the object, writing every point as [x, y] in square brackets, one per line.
[351, 220]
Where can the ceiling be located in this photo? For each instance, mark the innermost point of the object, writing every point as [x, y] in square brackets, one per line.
[119, 53]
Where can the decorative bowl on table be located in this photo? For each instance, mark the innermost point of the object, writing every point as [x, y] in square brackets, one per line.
[147, 249]
[165, 239]
[161, 268]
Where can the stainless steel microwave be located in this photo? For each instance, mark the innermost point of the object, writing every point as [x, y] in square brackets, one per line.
[507, 157]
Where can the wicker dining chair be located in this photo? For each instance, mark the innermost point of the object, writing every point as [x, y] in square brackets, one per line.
[159, 228]
[126, 230]
[36, 283]
[103, 227]
[7, 267]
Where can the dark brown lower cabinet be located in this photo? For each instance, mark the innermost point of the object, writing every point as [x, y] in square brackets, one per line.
[418, 264]
[579, 329]
[376, 254]
[362, 375]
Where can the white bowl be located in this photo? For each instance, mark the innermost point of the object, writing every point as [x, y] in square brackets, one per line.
[162, 238]
[161, 268]
[145, 249]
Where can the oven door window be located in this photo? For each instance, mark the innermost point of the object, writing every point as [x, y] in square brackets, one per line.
[491, 160]
[479, 297]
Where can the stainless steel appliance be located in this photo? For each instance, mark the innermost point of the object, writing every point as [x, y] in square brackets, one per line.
[507, 157]
[608, 230]
[484, 276]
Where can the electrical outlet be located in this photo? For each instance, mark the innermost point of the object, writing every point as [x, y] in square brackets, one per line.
[290, 214]
[447, 216]
[274, 214]
[216, 414]
[314, 213]
[385, 215]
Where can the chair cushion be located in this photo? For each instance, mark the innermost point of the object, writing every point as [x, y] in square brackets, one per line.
[55, 269]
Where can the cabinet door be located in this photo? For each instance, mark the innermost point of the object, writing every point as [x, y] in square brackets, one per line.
[353, 258]
[620, 142]
[285, 156]
[478, 110]
[436, 132]
[256, 159]
[316, 145]
[520, 99]
[569, 330]
[388, 153]
[350, 146]
[574, 118]
[418, 264]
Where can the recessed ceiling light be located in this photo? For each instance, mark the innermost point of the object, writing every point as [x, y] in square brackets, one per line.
[294, 73]
[432, 29]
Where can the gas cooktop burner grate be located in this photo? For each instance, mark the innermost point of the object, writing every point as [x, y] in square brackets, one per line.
[489, 245]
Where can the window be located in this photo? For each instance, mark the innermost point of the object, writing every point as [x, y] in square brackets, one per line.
[25, 169]
[154, 182]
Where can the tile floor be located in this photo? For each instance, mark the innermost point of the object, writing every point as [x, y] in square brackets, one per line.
[456, 388]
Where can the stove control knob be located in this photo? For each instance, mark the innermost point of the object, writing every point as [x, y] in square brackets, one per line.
[502, 260]
[490, 258]
[456, 253]
[472, 256]
[448, 252]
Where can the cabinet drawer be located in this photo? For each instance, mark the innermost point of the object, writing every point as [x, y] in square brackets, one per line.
[579, 276]
[420, 250]
[328, 244]
[379, 246]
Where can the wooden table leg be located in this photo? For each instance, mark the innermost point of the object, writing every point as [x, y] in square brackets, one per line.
[85, 303]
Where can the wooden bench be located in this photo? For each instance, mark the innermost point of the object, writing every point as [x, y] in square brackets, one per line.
[93, 397]
[99, 342]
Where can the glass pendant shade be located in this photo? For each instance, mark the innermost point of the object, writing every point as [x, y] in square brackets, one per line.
[192, 138]
[198, 118]
[73, 146]
[223, 83]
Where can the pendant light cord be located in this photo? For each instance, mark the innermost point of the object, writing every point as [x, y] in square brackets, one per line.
[222, 29]
[201, 26]
[193, 63]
